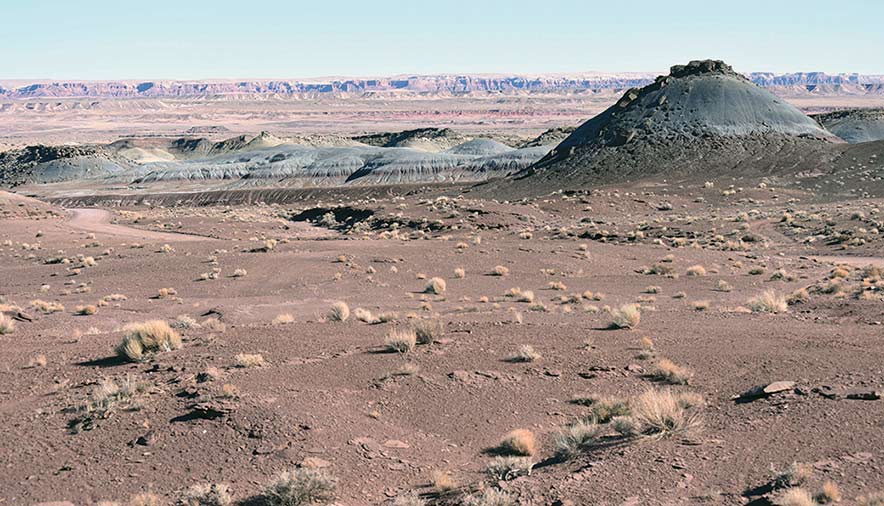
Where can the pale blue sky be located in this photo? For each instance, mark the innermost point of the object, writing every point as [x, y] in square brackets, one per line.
[192, 39]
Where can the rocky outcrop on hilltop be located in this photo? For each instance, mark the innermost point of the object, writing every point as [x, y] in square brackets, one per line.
[424, 139]
[22, 165]
[854, 125]
[551, 136]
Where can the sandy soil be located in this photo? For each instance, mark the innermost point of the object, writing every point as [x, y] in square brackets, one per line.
[330, 394]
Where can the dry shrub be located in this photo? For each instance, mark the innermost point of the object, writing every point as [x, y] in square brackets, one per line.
[794, 497]
[147, 338]
[605, 409]
[86, 310]
[521, 295]
[508, 468]
[696, 270]
[873, 499]
[215, 494]
[723, 286]
[660, 413]
[213, 325]
[283, 319]
[365, 316]
[796, 474]
[428, 331]
[768, 302]
[500, 270]
[401, 340]
[829, 493]
[7, 325]
[340, 312]
[492, 496]
[162, 293]
[249, 360]
[701, 305]
[460, 273]
[799, 296]
[408, 499]
[240, 273]
[668, 371]
[145, 499]
[436, 286]
[627, 316]
[526, 353]
[556, 285]
[519, 442]
[301, 487]
[443, 481]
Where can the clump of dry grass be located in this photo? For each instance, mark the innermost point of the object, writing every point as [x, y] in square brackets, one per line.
[701, 305]
[519, 442]
[401, 340]
[626, 426]
[283, 319]
[794, 497]
[215, 494]
[38, 361]
[408, 499]
[7, 324]
[556, 285]
[428, 331]
[500, 270]
[796, 474]
[660, 413]
[526, 353]
[520, 295]
[627, 316]
[577, 438]
[301, 487]
[47, 307]
[768, 302]
[249, 360]
[339, 312]
[605, 409]
[723, 286]
[365, 316]
[239, 273]
[696, 270]
[653, 289]
[213, 324]
[460, 273]
[147, 338]
[672, 373]
[436, 286]
[493, 496]
[145, 499]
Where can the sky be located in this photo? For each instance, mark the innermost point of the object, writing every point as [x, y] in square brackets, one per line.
[194, 39]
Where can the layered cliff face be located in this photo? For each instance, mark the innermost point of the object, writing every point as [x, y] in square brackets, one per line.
[855, 125]
[268, 160]
[431, 84]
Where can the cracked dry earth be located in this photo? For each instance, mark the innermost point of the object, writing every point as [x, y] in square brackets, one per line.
[330, 395]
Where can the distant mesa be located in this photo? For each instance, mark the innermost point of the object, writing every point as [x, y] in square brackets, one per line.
[854, 125]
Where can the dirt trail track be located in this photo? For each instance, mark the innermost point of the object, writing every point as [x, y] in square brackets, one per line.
[98, 221]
